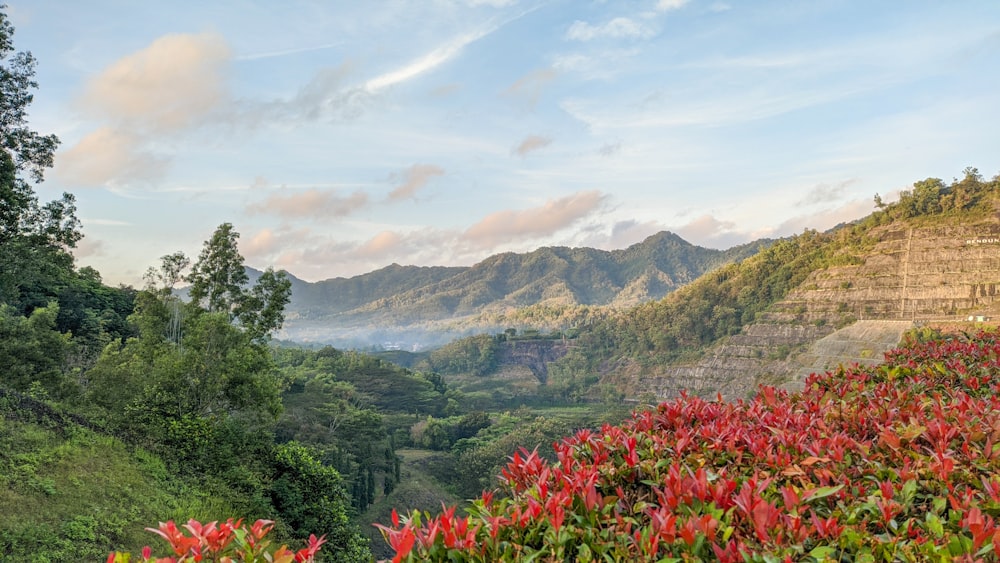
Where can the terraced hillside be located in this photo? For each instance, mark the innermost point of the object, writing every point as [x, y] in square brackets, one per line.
[910, 273]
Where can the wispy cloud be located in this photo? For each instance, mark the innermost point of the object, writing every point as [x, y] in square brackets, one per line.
[554, 215]
[610, 149]
[529, 87]
[708, 230]
[621, 234]
[826, 218]
[604, 64]
[667, 5]
[385, 243]
[88, 247]
[617, 28]
[531, 143]
[286, 52]
[427, 62]
[109, 157]
[107, 222]
[826, 193]
[413, 179]
[312, 203]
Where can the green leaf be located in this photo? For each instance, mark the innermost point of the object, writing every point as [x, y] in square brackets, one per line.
[822, 552]
[934, 525]
[823, 492]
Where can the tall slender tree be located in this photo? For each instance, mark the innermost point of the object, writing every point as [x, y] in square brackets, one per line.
[218, 279]
[220, 284]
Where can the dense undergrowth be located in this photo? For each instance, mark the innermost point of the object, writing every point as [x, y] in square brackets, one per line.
[899, 462]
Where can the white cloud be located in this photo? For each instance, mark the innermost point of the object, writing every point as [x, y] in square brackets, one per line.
[618, 28]
[286, 52]
[492, 3]
[311, 203]
[825, 193]
[667, 5]
[382, 244]
[89, 247]
[427, 62]
[530, 86]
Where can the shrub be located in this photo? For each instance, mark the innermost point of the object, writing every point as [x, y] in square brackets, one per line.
[899, 462]
[229, 541]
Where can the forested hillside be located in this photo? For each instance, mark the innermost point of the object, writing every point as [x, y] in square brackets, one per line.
[412, 305]
[848, 261]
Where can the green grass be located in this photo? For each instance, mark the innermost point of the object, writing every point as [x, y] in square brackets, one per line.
[71, 494]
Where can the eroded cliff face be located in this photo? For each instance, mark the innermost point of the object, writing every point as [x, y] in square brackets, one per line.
[853, 313]
[533, 354]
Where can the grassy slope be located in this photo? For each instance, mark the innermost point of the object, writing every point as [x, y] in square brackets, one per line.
[71, 494]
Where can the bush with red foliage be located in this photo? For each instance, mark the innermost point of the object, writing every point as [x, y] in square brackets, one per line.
[228, 542]
[899, 462]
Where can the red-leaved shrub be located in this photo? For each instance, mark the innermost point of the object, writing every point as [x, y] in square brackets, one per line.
[899, 462]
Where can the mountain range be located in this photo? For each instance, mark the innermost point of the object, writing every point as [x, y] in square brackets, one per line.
[416, 306]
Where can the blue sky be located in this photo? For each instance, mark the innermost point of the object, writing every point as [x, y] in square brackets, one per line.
[340, 137]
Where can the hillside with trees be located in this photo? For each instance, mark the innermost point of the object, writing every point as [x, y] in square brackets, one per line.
[431, 305]
[123, 407]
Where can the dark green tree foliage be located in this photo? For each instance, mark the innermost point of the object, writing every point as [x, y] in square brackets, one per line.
[92, 312]
[311, 499]
[33, 236]
[33, 352]
[932, 196]
[31, 151]
[474, 354]
[199, 385]
[218, 277]
[261, 311]
[36, 268]
[337, 403]
[219, 283]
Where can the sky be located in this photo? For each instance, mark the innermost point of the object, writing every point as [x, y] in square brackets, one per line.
[339, 137]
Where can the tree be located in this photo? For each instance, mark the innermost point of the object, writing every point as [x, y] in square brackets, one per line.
[32, 351]
[219, 283]
[218, 277]
[160, 283]
[33, 237]
[31, 151]
[164, 279]
[262, 310]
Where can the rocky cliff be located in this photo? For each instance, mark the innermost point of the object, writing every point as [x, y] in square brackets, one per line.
[533, 354]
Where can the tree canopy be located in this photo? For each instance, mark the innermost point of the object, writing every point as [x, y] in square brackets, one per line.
[34, 237]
